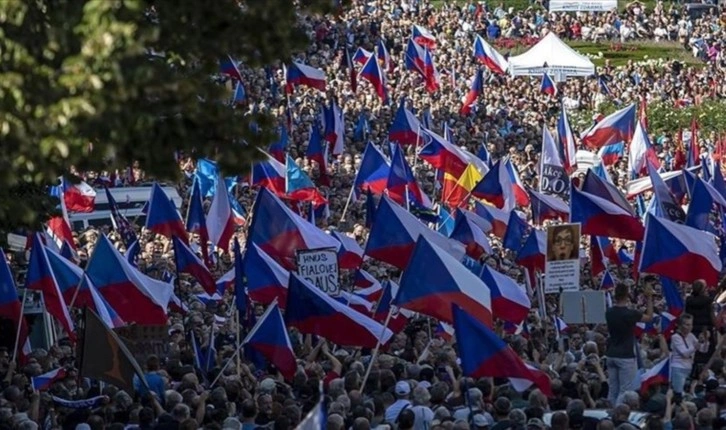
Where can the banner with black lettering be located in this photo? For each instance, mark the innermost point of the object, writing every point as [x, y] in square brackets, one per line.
[320, 267]
[554, 180]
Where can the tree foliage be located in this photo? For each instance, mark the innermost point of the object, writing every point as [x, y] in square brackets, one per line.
[99, 84]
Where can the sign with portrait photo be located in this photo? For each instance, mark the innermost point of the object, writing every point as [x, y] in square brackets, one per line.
[562, 267]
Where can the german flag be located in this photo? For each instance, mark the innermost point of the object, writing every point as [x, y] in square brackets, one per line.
[105, 357]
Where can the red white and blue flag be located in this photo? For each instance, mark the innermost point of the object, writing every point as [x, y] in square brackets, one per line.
[312, 311]
[616, 127]
[434, 281]
[679, 252]
[489, 56]
[484, 354]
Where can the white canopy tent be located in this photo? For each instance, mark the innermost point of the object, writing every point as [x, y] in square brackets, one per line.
[561, 60]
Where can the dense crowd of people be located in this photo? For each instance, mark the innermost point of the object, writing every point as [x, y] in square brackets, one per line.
[417, 382]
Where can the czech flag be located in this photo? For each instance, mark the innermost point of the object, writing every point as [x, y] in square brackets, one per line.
[269, 173]
[447, 157]
[610, 154]
[641, 153]
[607, 282]
[415, 57]
[517, 231]
[227, 66]
[162, 217]
[616, 127]
[405, 128]
[395, 232]
[509, 300]
[567, 142]
[679, 252]
[600, 217]
[602, 251]
[373, 73]
[401, 184]
[598, 186]
[269, 338]
[498, 218]
[104, 310]
[431, 75]
[10, 306]
[299, 187]
[225, 282]
[434, 281]
[502, 187]
[423, 37]
[383, 57]
[548, 86]
[280, 232]
[546, 207]
[68, 277]
[361, 55]
[317, 151]
[313, 312]
[44, 381]
[355, 302]
[367, 286]
[350, 255]
[488, 56]
[40, 277]
[532, 254]
[484, 354]
[79, 197]
[196, 220]
[475, 90]
[399, 317]
[221, 223]
[705, 202]
[187, 262]
[470, 229]
[133, 295]
[373, 172]
[658, 374]
[302, 74]
[672, 296]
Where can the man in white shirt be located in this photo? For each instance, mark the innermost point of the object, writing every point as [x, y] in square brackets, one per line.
[402, 391]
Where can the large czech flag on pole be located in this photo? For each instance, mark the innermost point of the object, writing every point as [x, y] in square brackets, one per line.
[616, 127]
[679, 252]
[483, 353]
[395, 232]
[280, 232]
[489, 56]
[313, 312]
[302, 74]
[434, 280]
[600, 217]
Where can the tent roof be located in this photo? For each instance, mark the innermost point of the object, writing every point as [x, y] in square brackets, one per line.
[561, 60]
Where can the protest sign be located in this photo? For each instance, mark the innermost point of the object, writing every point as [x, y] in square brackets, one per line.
[320, 267]
[562, 267]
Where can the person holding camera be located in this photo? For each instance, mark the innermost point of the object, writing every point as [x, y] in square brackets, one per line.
[621, 320]
[684, 345]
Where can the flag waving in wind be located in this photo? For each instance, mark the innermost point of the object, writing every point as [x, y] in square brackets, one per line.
[483, 353]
